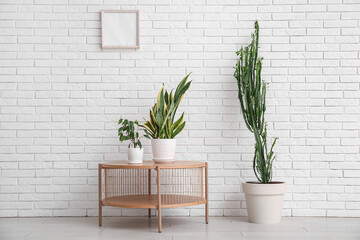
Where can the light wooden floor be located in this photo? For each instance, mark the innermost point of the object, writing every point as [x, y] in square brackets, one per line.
[176, 228]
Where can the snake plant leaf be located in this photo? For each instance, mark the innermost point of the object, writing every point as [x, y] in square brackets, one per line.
[159, 119]
[181, 85]
[177, 101]
[177, 123]
[179, 94]
[179, 129]
[149, 126]
[171, 97]
[160, 99]
[166, 97]
[152, 118]
[168, 128]
[148, 134]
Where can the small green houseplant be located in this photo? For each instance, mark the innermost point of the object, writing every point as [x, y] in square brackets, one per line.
[252, 97]
[129, 131]
[162, 127]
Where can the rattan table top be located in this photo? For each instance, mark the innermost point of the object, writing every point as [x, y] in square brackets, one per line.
[152, 165]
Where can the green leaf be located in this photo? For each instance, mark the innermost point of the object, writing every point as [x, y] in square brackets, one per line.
[161, 101]
[177, 123]
[180, 94]
[149, 134]
[158, 97]
[171, 97]
[180, 86]
[159, 119]
[150, 126]
[168, 128]
[179, 129]
[179, 97]
[166, 97]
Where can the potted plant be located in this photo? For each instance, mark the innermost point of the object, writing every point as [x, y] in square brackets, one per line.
[162, 127]
[129, 130]
[263, 198]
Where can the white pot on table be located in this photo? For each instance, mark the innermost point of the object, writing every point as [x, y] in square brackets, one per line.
[163, 150]
[135, 155]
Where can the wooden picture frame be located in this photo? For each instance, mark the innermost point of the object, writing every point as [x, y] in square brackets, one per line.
[120, 29]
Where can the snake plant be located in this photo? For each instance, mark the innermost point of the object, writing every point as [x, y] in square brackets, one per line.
[252, 95]
[161, 124]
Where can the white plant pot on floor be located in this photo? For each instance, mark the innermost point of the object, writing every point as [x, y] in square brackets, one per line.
[163, 150]
[264, 201]
[135, 155]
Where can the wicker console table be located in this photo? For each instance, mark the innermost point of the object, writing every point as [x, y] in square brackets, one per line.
[178, 184]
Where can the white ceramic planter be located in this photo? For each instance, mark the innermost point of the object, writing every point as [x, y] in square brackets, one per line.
[264, 201]
[135, 155]
[163, 150]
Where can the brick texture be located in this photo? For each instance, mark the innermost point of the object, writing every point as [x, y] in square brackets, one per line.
[61, 96]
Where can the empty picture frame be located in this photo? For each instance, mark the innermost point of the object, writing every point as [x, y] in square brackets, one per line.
[120, 29]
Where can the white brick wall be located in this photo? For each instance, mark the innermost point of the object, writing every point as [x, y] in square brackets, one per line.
[61, 96]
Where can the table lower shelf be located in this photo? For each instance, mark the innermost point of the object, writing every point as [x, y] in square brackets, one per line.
[151, 201]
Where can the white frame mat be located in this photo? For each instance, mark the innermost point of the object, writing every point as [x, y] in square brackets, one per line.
[120, 29]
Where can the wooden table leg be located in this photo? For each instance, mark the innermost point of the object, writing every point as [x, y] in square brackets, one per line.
[159, 199]
[149, 187]
[206, 194]
[100, 196]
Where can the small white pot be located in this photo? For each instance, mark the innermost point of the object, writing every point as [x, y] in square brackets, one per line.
[264, 201]
[135, 155]
[163, 150]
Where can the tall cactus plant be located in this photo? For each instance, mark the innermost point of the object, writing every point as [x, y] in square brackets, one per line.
[252, 96]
